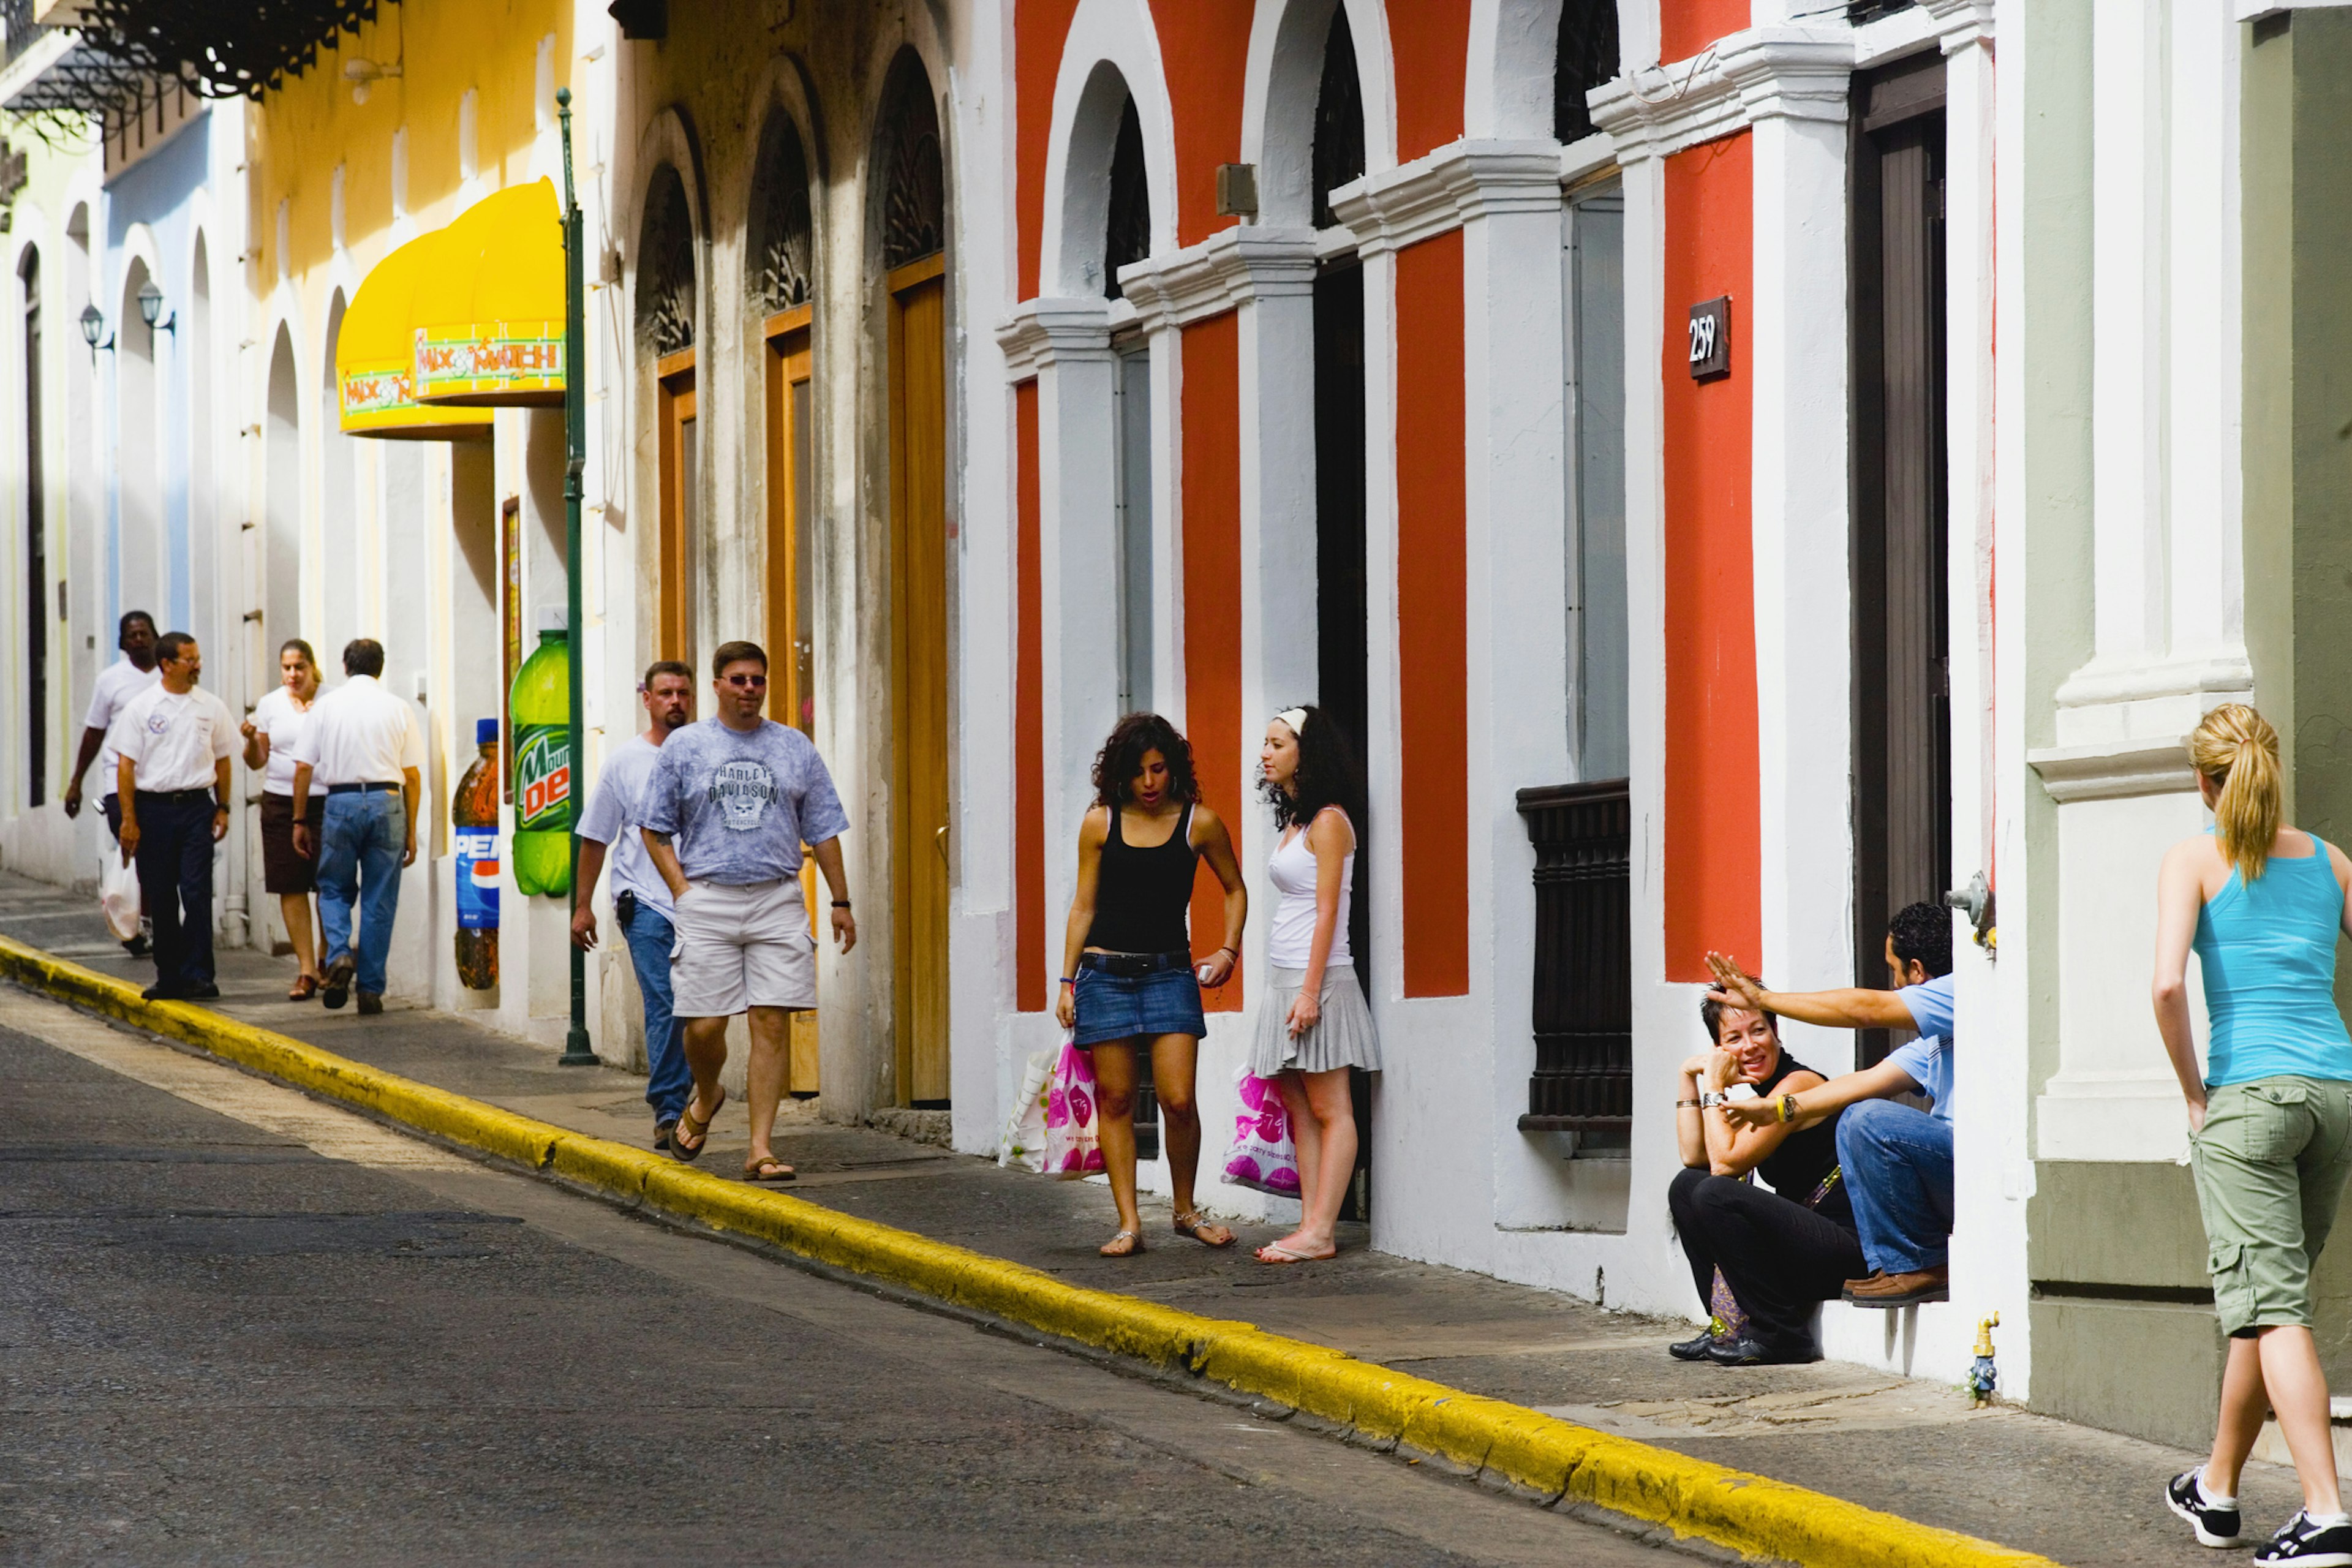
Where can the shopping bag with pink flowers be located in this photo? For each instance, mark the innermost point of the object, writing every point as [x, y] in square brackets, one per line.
[1071, 1150]
[1261, 1155]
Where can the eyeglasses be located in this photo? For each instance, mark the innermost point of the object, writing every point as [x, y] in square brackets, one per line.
[752, 681]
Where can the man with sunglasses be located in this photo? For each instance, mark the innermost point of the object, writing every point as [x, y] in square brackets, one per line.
[730, 804]
[171, 784]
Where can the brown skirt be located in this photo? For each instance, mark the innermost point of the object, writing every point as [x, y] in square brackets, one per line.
[283, 871]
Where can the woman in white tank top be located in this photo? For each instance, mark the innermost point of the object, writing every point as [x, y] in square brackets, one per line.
[1313, 1023]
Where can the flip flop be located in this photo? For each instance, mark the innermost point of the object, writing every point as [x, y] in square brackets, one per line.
[1192, 1222]
[689, 1126]
[768, 1168]
[1286, 1255]
[1134, 1240]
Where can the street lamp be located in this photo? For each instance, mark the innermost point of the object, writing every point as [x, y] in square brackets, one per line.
[151, 305]
[577, 1051]
[93, 322]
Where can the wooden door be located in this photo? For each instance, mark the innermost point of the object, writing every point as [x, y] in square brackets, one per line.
[1903, 756]
[919, 687]
[679, 436]
[792, 693]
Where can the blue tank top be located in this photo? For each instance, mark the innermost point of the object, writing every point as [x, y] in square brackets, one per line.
[2267, 949]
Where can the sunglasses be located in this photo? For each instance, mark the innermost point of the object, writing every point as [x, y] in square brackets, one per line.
[753, 681]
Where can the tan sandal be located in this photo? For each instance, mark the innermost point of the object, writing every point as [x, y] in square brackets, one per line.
[698, 1128]
[1125, 1243]
[1202, 1229]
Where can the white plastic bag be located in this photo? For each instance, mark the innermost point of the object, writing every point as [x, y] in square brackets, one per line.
[118, 895]
[1022, 1142]
[1072, 1148]
[1261, 1155]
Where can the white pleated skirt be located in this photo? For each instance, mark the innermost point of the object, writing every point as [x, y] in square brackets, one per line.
[1342, 1036]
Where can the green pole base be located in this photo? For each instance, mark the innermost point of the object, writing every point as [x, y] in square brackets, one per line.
[576, 1053]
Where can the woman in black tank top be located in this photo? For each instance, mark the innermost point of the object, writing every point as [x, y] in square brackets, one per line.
[1128, 980]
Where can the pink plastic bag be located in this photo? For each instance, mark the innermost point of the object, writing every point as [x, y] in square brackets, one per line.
[1261, 1155]
[1071, 1150]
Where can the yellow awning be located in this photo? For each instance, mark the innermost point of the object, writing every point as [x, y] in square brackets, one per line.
[376, 350]
[490, 323]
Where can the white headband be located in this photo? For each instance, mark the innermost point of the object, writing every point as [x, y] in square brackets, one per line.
[1295, 718]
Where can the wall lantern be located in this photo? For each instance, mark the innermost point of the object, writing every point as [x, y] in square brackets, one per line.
[93, 322]
[151, 305]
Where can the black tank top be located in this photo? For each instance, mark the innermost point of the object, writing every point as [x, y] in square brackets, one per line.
[1141, 895]
[1805, 1159]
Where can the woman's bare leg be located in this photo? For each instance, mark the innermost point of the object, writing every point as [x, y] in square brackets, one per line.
[2245, 1403]
[296, 908]
[2298, 1394]
[1333, 1115]
[1113, 1063]
[1306, 1142]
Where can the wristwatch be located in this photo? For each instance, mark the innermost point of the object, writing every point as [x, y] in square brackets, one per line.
[1710, 1100]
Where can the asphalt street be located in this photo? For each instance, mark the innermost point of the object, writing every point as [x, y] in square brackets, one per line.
[237, 1325]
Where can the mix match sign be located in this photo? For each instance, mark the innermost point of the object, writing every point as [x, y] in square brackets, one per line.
[490, 358]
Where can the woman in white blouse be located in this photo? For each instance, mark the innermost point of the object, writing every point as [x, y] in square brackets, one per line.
[270, 735]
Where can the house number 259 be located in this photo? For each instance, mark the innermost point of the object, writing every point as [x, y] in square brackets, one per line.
[1710, 339]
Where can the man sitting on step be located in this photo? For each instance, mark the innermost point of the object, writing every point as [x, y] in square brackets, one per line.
[1897, 1161]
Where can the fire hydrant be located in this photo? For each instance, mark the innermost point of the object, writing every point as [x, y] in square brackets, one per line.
[1983, 1376]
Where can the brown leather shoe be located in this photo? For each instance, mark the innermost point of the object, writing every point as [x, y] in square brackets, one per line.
[1903, 1289]
[1846, 1294]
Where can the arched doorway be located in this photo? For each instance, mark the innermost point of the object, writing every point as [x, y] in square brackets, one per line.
[913, 220]
[784, 298]
[37, 549]
[666, 318]
[139, 540]
[339, 507]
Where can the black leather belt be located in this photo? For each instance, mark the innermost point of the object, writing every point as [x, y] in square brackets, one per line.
[1131, 965]
[173, 797]
[362, 789]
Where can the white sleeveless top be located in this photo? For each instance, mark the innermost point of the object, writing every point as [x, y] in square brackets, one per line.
[1292, 871]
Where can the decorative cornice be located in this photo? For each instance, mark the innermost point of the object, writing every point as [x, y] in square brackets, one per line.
[1043, 332]
[1231, 267]
[2222, 677]
[1960, 23]
[1457, 183]
[1763, 73]
[2115, 771]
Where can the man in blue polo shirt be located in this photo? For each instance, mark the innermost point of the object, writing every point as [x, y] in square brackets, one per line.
[1897, 1161]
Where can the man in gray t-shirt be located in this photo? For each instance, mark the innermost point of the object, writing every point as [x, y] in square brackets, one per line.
[728, 804]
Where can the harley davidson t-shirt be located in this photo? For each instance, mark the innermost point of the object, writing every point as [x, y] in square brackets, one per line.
[736, 804]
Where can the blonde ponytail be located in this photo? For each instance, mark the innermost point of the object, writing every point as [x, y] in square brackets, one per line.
[2237, 749]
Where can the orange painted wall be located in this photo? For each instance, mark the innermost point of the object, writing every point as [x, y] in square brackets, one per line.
[1028, 716]
[1039, 27]
[1212, 484]
[1433, 643]
[1687, 26]
[1713, 810]
[1431, 42]
[1204, 44]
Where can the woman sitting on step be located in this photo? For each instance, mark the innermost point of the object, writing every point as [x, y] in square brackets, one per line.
[1760, 1258]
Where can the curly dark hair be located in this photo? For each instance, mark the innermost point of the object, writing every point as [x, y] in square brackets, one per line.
[1925, 932]
[1328, 775]
[1121, 758]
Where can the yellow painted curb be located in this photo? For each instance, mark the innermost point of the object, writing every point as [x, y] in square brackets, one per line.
[1749, 1514]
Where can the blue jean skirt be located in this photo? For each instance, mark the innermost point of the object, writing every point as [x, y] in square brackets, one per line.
[1120, 1006]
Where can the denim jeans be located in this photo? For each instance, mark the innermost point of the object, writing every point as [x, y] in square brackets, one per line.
[668, 1080]
[359, 863]
[176, 884]
[1898, 1168]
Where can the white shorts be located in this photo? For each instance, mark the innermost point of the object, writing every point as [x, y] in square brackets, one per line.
[742, 947]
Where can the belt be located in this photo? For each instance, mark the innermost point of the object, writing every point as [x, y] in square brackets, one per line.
[174, 796]
[1129, 965]
[363, 788]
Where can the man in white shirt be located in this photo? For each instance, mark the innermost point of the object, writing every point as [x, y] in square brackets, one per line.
[365, 748]
[641, 901]
[171, 784]
[118, 683]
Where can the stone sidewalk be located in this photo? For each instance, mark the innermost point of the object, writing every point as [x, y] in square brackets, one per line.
[1908, 1447]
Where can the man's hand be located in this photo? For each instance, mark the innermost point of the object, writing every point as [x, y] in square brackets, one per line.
[129, 840]
[844, 930]
[583, 927]
[73, 798]
[220, 823]
[1734, 987]
[408, 850]
[302, 844]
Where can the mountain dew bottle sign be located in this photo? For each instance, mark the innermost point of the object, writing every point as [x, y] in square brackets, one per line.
[542, 767]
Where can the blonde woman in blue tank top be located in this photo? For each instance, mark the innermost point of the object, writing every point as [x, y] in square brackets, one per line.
[2270, 1117]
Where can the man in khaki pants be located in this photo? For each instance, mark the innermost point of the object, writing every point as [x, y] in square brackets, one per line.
[730, 804]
